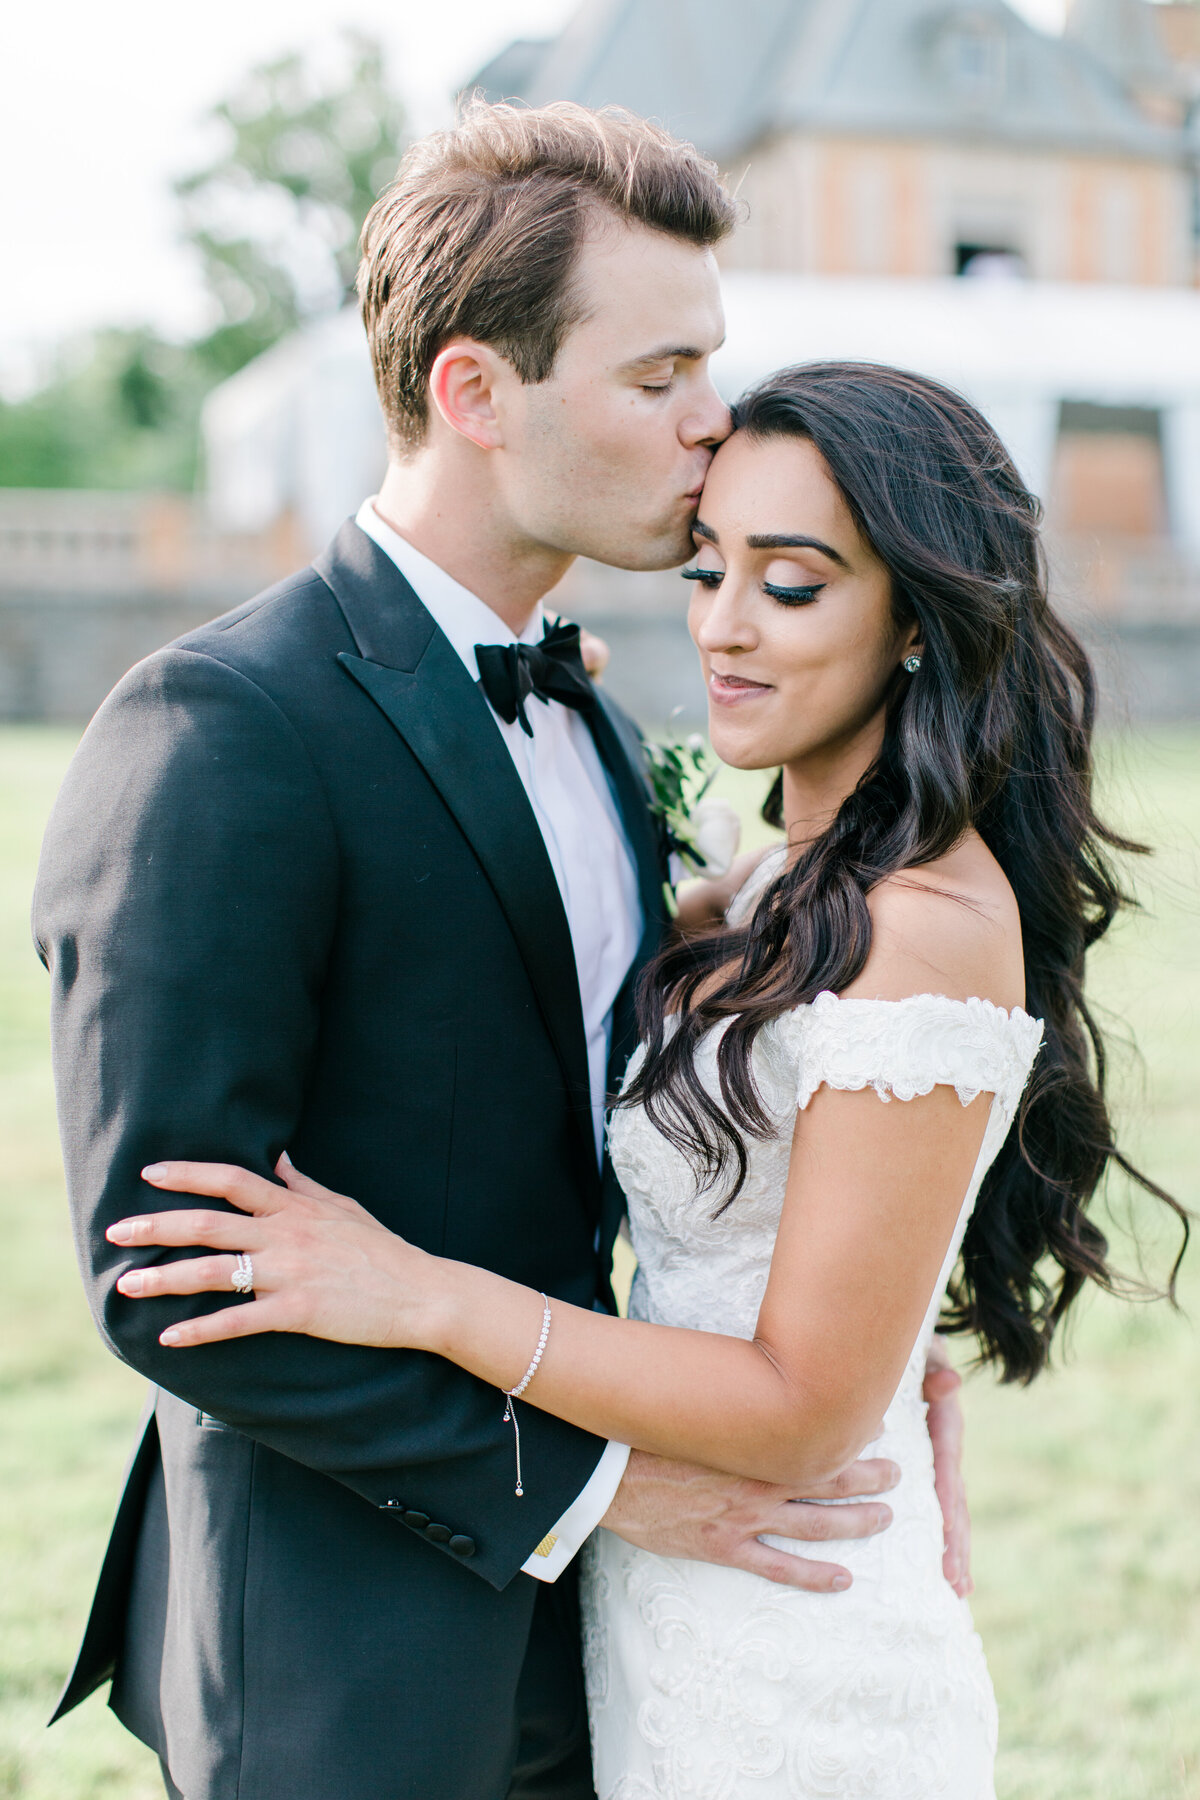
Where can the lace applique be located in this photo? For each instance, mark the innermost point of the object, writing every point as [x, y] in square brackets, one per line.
[903, 1048]
[707, 1683]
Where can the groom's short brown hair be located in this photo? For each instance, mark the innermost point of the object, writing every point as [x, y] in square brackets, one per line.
[478, 234]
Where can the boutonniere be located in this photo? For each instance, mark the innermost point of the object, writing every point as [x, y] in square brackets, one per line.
[701, 833]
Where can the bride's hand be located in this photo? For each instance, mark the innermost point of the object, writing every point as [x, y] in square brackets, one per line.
[321, 1264]
[594, 652]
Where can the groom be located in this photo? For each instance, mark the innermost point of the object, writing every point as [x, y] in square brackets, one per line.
[360, 872]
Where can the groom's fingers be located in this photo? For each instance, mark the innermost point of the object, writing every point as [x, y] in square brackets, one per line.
[793, 1571]
[820, 1524]
[875, 1475]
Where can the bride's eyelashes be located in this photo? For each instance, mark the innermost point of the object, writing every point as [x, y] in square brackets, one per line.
[786, 596]
[793, 596]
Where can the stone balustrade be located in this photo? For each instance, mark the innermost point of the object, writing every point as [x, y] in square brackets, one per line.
[92, 581]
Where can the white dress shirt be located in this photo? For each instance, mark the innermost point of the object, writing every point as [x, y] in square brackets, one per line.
[564, 779]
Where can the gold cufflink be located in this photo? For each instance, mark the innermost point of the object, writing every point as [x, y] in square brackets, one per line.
[547, 1544]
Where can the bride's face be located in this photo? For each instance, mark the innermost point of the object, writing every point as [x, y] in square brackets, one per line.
[791, 612]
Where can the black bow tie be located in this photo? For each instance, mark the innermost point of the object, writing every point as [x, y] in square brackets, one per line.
[552, 670]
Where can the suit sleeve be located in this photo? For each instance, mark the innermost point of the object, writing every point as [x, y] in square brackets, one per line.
[185, 908]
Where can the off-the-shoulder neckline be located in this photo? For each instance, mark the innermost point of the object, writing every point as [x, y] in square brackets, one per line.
[827, 997]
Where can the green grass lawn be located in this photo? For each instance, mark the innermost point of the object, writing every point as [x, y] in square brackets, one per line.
[1086, 1488]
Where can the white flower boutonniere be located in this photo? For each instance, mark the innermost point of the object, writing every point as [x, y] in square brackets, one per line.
[702, 834]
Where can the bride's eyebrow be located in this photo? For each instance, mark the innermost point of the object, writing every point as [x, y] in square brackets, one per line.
[775, 540]
[783, 540]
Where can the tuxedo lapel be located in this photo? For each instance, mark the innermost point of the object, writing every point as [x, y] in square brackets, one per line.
[620, 750]
[413, 674]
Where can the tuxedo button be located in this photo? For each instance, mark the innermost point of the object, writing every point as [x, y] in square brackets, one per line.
[438, 1534]
[418, 1520]
[462, 1546]
[392, 1505]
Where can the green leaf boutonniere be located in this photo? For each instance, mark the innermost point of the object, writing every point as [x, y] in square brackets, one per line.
[701, 834]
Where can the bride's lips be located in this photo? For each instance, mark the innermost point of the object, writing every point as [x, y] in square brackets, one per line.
[735, 690]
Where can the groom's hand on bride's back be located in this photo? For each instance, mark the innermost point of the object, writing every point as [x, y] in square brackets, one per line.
[677, 1509]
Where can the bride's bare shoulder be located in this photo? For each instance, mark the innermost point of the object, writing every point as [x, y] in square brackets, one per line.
[948, 927]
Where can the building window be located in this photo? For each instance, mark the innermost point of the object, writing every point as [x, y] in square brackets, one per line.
[1108, 472]
[988, 262]
[973, 54]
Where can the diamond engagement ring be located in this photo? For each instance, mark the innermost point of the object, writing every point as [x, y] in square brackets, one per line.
[243, 1275]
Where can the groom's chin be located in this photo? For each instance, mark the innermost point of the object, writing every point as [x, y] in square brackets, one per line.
[668, 552]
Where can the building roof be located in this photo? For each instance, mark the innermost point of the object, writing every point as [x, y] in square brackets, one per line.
[726, 76]
[299, 427]
[1124, 35]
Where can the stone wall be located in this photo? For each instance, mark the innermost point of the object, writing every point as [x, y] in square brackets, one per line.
[1137, 612]
[89, 584]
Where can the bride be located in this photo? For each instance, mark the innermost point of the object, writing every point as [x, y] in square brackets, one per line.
[868, 601]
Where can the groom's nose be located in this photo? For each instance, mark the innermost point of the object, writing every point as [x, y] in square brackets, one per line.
[709, 424]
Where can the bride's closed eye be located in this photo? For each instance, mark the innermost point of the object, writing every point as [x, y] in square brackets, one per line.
[793, 596]
[787, 596]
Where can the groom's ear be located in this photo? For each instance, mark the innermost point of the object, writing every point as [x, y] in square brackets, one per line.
[462, 387]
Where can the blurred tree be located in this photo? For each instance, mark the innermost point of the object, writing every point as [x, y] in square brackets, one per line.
[276, 216]
[119, 410]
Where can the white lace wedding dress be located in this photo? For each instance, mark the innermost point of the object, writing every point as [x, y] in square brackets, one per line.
[707, 1683]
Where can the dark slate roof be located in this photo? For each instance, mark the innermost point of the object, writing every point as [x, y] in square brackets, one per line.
[724, 75]
[1124, 35]
[509, 73]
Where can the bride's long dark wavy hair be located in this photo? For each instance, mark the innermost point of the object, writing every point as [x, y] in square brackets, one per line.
[993, 732]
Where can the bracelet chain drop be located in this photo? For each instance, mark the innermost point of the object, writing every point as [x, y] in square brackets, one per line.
[511, 1395]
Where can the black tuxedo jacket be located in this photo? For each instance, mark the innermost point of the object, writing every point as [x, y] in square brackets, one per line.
[293, 896]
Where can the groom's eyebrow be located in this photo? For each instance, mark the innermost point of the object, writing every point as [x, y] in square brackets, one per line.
[669, 353]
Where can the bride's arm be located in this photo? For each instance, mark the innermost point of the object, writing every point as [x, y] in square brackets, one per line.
[873, 1194]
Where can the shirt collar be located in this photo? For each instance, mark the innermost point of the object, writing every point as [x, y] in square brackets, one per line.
[464, 618]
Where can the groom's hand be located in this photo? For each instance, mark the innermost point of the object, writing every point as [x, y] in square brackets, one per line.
[945, 1421]
[677, 1509]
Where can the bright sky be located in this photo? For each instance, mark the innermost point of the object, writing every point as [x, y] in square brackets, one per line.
[99, 107]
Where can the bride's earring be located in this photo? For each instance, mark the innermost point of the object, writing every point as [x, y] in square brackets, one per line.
[912, 663]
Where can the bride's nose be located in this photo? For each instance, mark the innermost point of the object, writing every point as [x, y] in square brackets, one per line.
[722, 621]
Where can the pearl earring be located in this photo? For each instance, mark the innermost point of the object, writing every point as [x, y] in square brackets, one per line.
[912, 663]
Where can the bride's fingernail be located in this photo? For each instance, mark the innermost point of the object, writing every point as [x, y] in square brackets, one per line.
[154, 1172]
[120, 1233]
[841, 1583]
[131, 1283]
[170, 1336]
